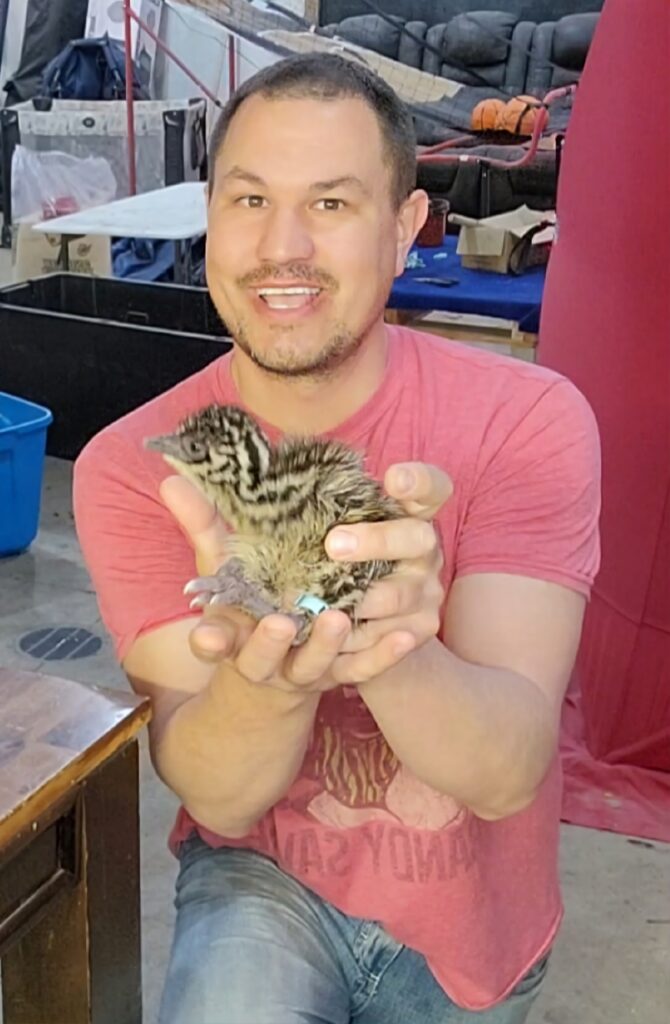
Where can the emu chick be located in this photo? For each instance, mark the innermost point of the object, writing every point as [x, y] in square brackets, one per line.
[281, 502]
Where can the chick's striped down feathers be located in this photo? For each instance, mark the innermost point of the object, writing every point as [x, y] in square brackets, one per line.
[281, 502]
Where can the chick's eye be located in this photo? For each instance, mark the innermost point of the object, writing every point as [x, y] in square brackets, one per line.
[197, 451]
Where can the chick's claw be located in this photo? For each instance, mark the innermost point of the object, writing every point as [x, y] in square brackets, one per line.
[224, 587]
[231, 587]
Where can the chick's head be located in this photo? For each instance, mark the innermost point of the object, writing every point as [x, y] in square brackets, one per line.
[217, 447]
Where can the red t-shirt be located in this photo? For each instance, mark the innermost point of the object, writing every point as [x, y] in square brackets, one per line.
[480, 899]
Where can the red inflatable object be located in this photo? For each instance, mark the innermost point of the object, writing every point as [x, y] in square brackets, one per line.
[606, 325]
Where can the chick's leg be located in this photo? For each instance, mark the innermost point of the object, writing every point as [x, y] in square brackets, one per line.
[231, 586]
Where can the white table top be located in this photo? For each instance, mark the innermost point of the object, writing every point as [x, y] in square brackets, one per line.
[172, 213]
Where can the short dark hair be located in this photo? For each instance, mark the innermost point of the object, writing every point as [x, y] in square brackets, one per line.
[327, 76]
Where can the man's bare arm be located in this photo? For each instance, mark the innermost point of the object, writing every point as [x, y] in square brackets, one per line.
[228, 748]
[476, 714]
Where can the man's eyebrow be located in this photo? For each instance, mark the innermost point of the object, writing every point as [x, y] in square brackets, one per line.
[240, 174]
[345, 180]
[237, 173]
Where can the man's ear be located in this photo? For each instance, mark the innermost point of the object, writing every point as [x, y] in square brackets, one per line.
[411, 218]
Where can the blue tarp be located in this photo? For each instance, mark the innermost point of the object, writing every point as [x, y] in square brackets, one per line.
[477, 292]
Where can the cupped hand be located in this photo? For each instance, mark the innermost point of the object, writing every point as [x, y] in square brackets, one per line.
[396, 616]
[262, 652]
[404, 609]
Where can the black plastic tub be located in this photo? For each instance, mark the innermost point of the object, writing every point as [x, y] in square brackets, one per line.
[92, 349]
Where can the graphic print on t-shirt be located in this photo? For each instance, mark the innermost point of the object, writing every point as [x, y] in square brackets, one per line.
[351, 776]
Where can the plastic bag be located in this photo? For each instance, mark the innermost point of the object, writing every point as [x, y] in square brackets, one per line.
[52, 184]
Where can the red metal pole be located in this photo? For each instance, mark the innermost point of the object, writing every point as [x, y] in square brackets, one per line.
[173, 57]
[130, 99]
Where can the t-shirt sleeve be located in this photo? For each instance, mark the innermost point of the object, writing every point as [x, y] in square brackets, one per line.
[535, 501]
[138, 557]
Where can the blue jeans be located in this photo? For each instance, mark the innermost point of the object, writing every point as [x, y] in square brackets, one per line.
[254, 946]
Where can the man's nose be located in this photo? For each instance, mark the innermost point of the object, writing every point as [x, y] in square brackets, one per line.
[285, 237]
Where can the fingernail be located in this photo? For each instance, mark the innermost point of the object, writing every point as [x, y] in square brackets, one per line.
[404, 481]
[342, 543]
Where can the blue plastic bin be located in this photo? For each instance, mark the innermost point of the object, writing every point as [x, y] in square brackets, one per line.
[23, 436]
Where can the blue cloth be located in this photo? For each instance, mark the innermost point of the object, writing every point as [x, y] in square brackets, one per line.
[254, 946]
[142, 259]
[478, 291]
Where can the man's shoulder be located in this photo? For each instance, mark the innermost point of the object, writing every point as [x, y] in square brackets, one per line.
[459, 381]
[468, 409]
[458, 361]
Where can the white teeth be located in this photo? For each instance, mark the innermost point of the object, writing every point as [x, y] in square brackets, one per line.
[288, 291]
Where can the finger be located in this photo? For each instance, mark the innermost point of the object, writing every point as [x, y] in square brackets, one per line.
[399, 594]
[198, 519]
[311, 661]
[212, 641]
[422, 625]
[220, 633]
[396, 540]
[262, 655]
[421, 488]
[358, 668]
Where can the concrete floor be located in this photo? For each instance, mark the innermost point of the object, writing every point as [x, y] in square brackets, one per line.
[612, 959]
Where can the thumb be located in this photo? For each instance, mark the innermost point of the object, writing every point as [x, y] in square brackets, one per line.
[199, 520]
[422, 489]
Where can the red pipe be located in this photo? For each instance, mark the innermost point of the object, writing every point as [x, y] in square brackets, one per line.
[130, 99]
[465, 158]
[447, 144]
[431, 155]
[554, 94]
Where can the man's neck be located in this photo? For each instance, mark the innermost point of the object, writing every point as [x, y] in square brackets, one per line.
[303, 406]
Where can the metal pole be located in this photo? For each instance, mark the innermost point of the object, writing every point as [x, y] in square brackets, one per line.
[4, 14]
[173, 57]
[232, 69]
[130, 99]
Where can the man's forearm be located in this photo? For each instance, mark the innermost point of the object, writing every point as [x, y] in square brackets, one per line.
[233, 750]
[484, 736]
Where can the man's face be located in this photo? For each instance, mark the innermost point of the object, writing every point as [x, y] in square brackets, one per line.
[303, 239]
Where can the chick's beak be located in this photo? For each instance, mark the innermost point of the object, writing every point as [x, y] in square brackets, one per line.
[166, 444]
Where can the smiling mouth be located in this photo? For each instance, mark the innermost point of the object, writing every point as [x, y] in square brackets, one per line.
[288, 297]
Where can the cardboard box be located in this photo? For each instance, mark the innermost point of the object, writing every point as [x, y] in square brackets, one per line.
[497, 243]
[36, 254]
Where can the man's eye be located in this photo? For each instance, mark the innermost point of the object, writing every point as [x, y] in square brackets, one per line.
[330, 205]
[253, 202]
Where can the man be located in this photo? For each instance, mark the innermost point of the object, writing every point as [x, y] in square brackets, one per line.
[369, 822]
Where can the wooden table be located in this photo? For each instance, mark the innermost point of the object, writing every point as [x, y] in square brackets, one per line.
[521, 344]
[69, 852]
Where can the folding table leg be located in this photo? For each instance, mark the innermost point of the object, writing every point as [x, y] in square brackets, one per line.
[183, 263]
